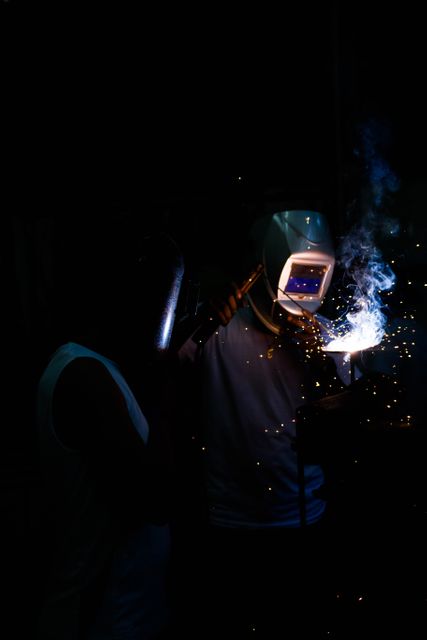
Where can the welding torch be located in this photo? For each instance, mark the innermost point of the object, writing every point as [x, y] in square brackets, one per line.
[210, 321]
[311, 317]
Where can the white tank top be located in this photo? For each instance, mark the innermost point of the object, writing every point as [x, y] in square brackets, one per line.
[134, 601]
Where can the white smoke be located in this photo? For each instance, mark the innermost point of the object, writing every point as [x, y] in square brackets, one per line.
[367, 275]
[364, 323]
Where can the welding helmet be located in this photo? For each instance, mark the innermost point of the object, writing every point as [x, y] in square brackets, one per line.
[296, 250]
[121, 285]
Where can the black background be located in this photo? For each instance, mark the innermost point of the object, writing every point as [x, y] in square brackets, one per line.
[114, 104]
[197, 120]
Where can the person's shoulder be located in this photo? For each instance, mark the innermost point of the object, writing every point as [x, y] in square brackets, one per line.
[244, 315]
[86, 374]
[84, 366]
[88, 404]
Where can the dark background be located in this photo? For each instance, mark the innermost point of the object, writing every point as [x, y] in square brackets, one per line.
[175, 110]
[196, 122]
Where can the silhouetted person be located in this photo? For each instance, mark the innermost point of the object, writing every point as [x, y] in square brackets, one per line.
[104, 449]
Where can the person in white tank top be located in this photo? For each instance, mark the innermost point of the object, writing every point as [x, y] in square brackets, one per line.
[104, 459]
